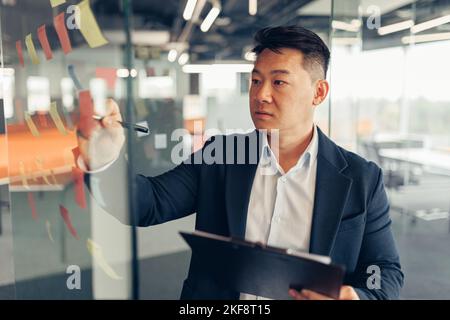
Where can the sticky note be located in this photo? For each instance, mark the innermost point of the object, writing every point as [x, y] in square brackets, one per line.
[31, 126]
[23, 175]
[31, 49]
[86, 124]
[73, 76]
[57, 119]
[78, 177]
[89, 27]
[56, 3]
[32, 204]
[43, 40]
[40, 166]
[42, 119]
[68, 221]
[96, 251]
[49, 231]
[20, 52]
[61, 30]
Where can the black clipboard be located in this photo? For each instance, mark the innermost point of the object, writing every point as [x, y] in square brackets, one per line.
[261, 270]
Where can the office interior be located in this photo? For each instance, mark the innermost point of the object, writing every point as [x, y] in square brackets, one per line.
[185, 64]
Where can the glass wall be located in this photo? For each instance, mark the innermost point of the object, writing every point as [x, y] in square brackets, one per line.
[62, 62]
[390, 104]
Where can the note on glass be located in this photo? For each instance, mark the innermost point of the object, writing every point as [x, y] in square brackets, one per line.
[57, 119]
[56, 3]
[40, 165]
[78, 177]
[31, 126]
[20, 52]
[43, 40]
[31, 49]
[61, 30]
[68, 221]
[49, 230]
[32, 204]
[89, 27]
[96, 251]
[86, 124]
[23, 175]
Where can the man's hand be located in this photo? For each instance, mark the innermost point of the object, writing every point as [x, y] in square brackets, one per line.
[104, 143]
[346, 293]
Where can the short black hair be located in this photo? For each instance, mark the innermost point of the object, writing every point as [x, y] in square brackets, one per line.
[315, 51]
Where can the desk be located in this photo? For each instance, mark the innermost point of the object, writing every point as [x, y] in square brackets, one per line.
[420, 156]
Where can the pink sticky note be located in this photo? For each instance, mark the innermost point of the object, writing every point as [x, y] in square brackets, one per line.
[68, 221]
[78, 177]
[108, 74]
[42, 36]
[20, 52]
[32, 204]
[86, 123]
[61, 30]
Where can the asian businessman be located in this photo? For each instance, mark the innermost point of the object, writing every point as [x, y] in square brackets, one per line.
[318, 197]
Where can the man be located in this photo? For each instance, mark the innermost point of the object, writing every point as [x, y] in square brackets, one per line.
[320, 198]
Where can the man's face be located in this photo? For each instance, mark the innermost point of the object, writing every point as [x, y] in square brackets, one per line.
[281, 92]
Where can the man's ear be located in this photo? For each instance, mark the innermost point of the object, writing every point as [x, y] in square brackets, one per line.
[322, 89]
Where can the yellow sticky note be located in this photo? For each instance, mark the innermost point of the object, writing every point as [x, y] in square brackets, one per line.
[40, 166]
[31, 125]
[96, 252]
[31, 49]
[49, 233]
[23, 175]
[56, 3]
[56, 119]
[89, 27]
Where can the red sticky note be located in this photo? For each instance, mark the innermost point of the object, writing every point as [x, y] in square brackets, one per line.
[61, 30]
[32, 204]
[20, 52]
[78, 177]
[86, 123]
[68, 221]
[42, 36]
[76, 154]
[42, 116]
[109, 75]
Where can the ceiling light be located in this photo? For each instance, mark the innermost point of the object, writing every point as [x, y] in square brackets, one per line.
[189, 10]
[172, 56]
[209, 20]
[426, 37]
[395, 27]
[430, 24]
[183, 59]
[252, 7]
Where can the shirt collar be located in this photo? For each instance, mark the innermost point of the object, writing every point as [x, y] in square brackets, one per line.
[308, 157]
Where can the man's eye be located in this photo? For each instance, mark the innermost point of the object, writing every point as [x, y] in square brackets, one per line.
[256, 81]
[279, 82]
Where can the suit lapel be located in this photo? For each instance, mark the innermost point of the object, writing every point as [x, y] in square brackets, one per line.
[332, 189]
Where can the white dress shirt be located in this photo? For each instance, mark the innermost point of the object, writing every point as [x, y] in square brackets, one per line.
[281, 204]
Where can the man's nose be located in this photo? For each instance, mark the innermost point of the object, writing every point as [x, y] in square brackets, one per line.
[264, 93]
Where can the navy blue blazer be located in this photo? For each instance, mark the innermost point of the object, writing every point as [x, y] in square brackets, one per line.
[351, 220]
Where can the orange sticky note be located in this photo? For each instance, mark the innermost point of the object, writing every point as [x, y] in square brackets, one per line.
[56, 3]
[20, 52]
[61, 30]
[42, 36]
[31, 49]
[89, 27]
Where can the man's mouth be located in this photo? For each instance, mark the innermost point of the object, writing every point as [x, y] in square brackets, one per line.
[263, 114]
